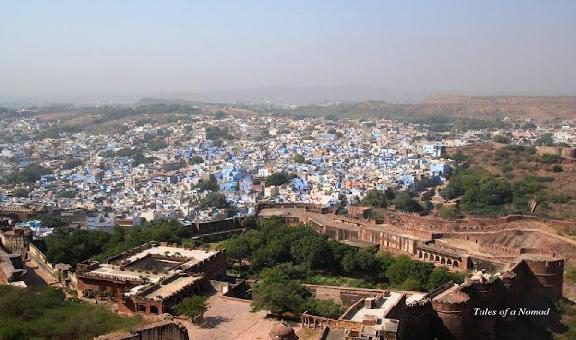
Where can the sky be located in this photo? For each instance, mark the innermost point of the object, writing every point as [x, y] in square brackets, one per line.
[81, 47]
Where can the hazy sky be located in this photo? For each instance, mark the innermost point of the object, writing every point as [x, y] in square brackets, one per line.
[137, 46]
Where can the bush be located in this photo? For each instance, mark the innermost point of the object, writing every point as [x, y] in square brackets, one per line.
[29, 174]
[43, 313]
[548, 158]
[279, 178]
[214, 200]
[450, 213]
[377, 198]
[299, 158]
[501, 139]
[404, 202]
[196, 160]
[20, 192]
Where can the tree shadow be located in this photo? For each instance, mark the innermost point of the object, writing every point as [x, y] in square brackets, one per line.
[213, 321]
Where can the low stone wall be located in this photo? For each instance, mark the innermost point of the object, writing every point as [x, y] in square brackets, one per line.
[39, 257]
[163, 330]
[343, 295]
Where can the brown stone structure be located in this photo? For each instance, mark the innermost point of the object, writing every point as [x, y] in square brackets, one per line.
[163, 330]
[525, 278]
[457, 245]
[151, 278]
[451, 311]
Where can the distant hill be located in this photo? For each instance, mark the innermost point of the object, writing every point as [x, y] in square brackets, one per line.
[540, 108]
[305, 95]
[487, 108]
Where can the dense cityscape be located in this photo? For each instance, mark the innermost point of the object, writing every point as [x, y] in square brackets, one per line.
[288, 170]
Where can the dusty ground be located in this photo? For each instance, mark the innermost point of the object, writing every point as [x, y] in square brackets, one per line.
[230, 319]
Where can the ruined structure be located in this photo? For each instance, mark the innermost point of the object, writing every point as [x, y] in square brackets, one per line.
[151, 278]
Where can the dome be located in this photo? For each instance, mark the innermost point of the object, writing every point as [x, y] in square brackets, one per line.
[282, 331]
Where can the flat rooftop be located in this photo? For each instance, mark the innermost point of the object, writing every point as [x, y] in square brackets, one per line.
[381, 309]
[416, 296]
[168, 289]
[113, 272]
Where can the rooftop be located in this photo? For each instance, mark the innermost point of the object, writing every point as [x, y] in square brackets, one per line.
[381, 307]
[114, 272]
[172, 287]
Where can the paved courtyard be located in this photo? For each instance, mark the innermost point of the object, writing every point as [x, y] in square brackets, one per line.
[231, 319]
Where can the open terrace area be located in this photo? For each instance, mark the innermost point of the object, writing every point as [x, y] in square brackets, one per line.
[232, 319]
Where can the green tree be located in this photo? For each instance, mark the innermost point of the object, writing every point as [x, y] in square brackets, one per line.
[209, 185]
[312, 251]
[29, 174]
[403, 268]
[20, 192]
[276, 293]
[237, 249]
[375, 198]
[549, 158]
[299, 158]
[450, 213]
[193, 306]
[71, 163]
[404, 202]
[545, 140]
[501, 139]
[44, 313]
[324, 308]
[196, 160]
[278, 178]
[214, 200]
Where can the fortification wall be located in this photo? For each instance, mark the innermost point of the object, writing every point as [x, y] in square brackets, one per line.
[41, 259]
[217, 226]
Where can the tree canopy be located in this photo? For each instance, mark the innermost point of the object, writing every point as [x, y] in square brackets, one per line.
[377, 198]
[193, 306]
[301, 254]
[29, 174]
[76, 245]
[404, 202]
[278, 178]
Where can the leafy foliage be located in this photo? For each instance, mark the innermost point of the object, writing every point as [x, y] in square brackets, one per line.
[72, 245]
[483, 194]
[29, 174]
[299, 158]
[278, 178]
[196, 160]
[299, 253]
[214, 200]
[216, 133]
[277, 293]
[377, 198]
[193, 306]
[549, 158]
[404, 202]
[43, 313]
